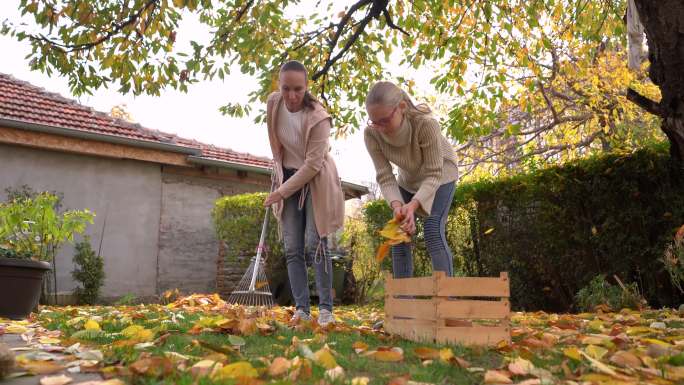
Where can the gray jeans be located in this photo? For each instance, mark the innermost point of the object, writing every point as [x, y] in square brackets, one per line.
[302, 245]
[434, 227]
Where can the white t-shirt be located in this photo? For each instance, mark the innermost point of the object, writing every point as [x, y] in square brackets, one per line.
[290, 135]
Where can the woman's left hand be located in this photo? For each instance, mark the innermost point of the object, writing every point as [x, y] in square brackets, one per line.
[272, 198]
[408, 212]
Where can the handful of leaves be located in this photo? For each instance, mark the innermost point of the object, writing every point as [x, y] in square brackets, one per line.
[394, 234]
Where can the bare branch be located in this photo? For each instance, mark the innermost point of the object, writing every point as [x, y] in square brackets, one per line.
[390, 23]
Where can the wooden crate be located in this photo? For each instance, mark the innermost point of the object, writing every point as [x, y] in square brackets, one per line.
[465, 310]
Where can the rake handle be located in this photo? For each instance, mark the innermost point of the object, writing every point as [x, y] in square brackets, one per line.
[260, 248]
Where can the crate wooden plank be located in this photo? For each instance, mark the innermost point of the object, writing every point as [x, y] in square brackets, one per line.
[474, 335]
[412, 329]
[424, 286]
[413, 308]
[473, 309]
[473, 287]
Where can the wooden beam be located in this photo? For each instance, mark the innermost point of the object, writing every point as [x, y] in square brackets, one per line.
[412, 308]
[410, 286]
[474, 335]
[262, 181]
[473, 309]
[67, 144]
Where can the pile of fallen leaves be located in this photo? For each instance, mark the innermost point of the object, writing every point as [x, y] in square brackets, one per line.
[200, 339]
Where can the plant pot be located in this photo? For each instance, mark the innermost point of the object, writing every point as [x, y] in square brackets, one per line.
[20, 284]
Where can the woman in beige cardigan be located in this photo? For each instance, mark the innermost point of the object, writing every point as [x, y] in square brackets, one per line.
[308, 200]
[406, 135]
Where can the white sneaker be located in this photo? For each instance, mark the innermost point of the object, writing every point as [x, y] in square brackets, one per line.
[325, 317]
[300, 315]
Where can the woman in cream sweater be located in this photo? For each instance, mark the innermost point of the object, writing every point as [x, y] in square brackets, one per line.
[407, 136]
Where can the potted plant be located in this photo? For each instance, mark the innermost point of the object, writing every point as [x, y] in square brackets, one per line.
[31, 232]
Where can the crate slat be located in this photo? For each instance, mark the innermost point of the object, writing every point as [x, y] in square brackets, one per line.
[410, 286]
[414, 308]
[412, 329]
[474, 335]
[473, 287]
[473, 309]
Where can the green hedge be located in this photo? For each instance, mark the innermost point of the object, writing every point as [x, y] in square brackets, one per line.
[556, 229]
[238, 220]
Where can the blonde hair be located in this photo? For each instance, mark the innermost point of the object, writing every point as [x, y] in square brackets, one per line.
[389, 94]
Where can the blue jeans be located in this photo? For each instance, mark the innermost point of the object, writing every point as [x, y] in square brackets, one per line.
[302, 245]
[434, 227]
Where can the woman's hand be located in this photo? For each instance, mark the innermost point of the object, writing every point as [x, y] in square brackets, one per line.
[396, 209]
[408, 211]
[272, 198]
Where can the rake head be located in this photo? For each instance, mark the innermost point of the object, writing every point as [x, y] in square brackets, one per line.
[259, 294]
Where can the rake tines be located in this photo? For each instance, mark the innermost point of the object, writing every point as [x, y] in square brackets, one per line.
[260, 294]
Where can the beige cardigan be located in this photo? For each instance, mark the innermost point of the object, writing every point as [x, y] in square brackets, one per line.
[425, 158]
[318, 171]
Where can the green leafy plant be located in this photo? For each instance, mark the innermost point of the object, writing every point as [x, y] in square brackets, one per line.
[126, 300]
[601, 292]
[674, 260]
[356, 239]
[32, 225]
[89, 272]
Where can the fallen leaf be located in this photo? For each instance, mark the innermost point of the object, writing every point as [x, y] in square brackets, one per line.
[334, 374]
[573, 353]
[596, 352]
[204, 367]
[41, 367]
[324, 358]
[279, 366]
[496, 377]
[153, 367]
[56, 380]
[360, 381]
[625, 359]
[360, 346]
[247, 326]
[15, 329]
[386, 356]
[520, 367]
[427, 353]
[91, 325]
[236, 370]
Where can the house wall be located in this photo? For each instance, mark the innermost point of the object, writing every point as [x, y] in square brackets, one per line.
[188, 247]
[125, 193]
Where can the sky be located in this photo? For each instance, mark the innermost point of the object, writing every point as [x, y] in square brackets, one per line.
[194, 114]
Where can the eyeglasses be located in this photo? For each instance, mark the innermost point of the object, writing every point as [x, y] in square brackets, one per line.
[384, 121]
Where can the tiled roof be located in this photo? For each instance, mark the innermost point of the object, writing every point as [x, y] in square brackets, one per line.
[21, 101]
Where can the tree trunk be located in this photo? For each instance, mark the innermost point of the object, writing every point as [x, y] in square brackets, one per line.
[635, 37]
[663, 21]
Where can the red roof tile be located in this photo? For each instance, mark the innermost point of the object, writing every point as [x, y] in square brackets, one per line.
[23, 102]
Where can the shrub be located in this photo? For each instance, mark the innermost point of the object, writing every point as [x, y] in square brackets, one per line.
[89, 272]
[673, 260]
[600, 292]
[555, 229]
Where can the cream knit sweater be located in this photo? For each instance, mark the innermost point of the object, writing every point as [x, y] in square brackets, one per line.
[424, 157]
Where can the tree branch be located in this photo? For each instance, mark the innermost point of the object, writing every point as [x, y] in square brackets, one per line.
[644, 102]
[116, 29]
[390, 23]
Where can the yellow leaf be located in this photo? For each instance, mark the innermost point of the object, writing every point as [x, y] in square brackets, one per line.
[324, 358]
[598, 365]
[15, 329]
[446, 354]
[572, 353]
[635, 330]
[656, 342]
[596, 352]
[360, 381]
[496, 377]
[41, 367]
[91, 325]
[204, 367]
[236, 370]
[48, 340]
[386, 356]
[360, 346]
